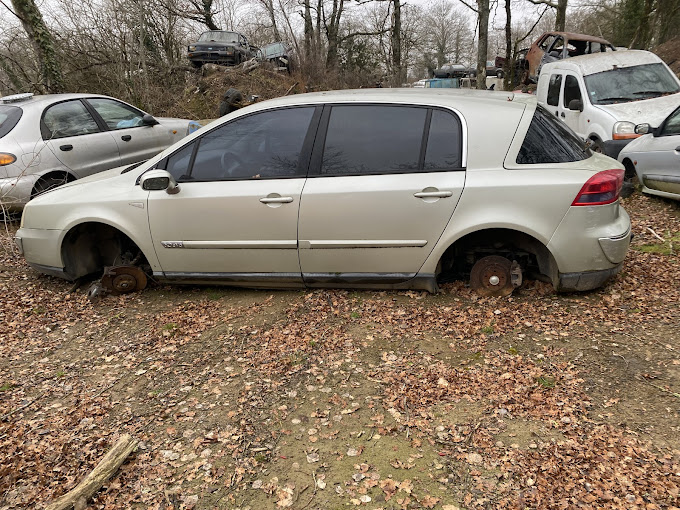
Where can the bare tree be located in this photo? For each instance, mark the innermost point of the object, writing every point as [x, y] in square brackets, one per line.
[560, 7]
[43, 43]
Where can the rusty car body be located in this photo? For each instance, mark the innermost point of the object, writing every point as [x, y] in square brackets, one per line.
[552, 46]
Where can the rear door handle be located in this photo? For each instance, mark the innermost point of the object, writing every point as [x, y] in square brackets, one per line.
[562, 115]
[276, 200]
[66, 148]
[126, 138]
[677, 149]
[433, 194]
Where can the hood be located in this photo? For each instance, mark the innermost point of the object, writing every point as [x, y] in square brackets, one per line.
[99, 176]
[653, 110]
[214, 44]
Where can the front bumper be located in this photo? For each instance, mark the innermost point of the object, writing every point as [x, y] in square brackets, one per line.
[612, 148]
[223, 57]
[41, 249]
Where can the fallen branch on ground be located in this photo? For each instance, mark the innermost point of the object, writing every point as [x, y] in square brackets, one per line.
[107, 467]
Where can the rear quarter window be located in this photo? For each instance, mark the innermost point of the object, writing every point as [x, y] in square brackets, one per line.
[550, 141]
[9, 117]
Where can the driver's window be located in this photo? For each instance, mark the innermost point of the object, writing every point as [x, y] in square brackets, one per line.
[672, 126]
[557, 47]
[571, 90]
[117, 115]
[264, 145]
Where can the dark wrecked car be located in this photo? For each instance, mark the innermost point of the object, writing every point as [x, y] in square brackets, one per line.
[552, 46]
[220, 47]
[278, 54]
[452, 71]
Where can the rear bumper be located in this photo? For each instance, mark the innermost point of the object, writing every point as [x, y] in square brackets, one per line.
[612, 147]
[587, 280]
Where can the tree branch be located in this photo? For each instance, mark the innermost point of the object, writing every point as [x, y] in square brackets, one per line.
[543, 2]
[468, 6]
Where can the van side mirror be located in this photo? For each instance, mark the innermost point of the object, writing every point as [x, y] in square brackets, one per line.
[576, 104]
[149, 120]
[643, 129]
[156, 180]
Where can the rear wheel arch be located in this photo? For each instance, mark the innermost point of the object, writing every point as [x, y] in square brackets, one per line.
[87, 248]
[533, 255]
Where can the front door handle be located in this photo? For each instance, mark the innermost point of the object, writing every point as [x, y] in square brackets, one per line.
[66, 148]
[276, 200]
[126, 138]
[433, 194]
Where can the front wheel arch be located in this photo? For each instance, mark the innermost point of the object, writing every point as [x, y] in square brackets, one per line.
[88, 248]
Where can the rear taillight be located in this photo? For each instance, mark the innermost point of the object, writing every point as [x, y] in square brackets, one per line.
[602, 188]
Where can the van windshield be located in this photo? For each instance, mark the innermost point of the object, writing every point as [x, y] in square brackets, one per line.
[626, 84]
[9, 117]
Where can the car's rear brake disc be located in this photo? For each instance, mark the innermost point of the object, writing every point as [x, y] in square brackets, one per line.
[495, 276]
[123, 279]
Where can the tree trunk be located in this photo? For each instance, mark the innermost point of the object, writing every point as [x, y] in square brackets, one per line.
[561, 15]
[309, 31]
[483, 9]
[333, 34]
[397, 67]
[509, 66]
[43, 43]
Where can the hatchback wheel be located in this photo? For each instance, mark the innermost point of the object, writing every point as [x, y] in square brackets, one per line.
[495, 276]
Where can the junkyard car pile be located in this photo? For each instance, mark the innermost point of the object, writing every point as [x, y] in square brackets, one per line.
[382, 188]
[48, 140]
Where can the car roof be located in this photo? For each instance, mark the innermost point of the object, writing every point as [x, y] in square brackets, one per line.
[456, 98]
[577, 37]
[41, 100]
[598, 62]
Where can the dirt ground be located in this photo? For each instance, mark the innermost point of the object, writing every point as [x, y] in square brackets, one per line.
[334, 399]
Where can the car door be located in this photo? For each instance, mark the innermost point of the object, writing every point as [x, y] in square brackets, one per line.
[661, 156]
[136, 141]
[383, 184]
[573, 91]
[235, 216]
[76, 139]
[552, 99]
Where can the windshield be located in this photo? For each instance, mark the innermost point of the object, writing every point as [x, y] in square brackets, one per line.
[219, 35]
[9, 117]
[634, 83]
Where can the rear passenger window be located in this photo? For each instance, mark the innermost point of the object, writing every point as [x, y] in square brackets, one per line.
[554, 89]
[443, 143]
[69, 118]
[376, 139]
[550, 141]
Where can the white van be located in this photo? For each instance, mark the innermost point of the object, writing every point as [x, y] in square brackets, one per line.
[603, 96]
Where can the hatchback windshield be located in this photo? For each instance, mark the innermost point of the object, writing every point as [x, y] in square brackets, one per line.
[627, 84]
[218, 35]
[9, 117]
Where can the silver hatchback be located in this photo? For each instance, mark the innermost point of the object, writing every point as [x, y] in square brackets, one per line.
[384, 188]
[49, 140]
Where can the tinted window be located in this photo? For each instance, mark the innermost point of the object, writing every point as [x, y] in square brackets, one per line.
[672, 125]
[178, 163]
[117, 115]
[9, 117]
[443, 143]
[571, 89]
[554, 89]
[265, 145]
[373, 139]
[69, 119]
[631, 84]
[550, 141]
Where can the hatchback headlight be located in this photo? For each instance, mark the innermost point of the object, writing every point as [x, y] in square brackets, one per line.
[624, 130]
[192, 48]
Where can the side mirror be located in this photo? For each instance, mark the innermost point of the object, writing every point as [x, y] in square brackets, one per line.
[156, 180]
[149, 120]
[643, 129]
[576, 104]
